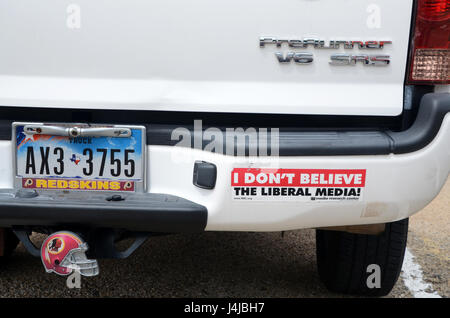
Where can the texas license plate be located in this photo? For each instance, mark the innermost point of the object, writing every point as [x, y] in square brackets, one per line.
[79, 157]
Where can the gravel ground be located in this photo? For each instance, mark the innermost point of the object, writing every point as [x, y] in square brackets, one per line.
[228, 265]
[429, 241]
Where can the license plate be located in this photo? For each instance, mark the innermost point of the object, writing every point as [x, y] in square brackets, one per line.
[79, 157]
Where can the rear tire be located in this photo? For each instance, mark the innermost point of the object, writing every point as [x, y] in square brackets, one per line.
[343, 259]
[9, 243]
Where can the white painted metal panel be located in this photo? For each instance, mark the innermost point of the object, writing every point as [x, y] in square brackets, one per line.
[199, 55]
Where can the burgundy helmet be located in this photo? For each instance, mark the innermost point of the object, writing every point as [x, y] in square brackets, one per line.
[64, 252]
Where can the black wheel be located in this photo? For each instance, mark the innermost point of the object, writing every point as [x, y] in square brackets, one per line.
[343, 259]
[8, 241]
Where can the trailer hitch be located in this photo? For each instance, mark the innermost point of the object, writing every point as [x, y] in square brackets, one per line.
[101, 242]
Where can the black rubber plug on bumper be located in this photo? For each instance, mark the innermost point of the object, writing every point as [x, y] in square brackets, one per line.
[205, 174]
[115, 198]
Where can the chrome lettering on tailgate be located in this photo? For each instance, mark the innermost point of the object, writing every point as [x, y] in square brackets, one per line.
[335, 59]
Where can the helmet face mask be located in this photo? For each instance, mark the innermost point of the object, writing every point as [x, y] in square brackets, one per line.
[65, 252]
[76, 260]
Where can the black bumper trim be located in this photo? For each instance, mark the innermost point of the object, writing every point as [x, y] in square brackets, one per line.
[298, 135]
[306, 142]
[146, 212]
[433, 108]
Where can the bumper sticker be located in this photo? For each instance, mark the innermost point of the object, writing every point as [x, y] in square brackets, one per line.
[305, 185]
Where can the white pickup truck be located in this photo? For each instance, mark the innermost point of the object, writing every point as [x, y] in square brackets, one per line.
[132, 118]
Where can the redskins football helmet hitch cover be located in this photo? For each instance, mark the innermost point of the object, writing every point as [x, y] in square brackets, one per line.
[65, 252]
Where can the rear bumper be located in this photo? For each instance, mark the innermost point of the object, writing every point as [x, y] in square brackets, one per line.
[137, 212]
[400, 180]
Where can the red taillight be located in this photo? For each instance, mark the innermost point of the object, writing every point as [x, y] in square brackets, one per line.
[431, 43]
[434, 10]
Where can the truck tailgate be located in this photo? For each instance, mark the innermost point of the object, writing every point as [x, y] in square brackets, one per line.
[202, 55]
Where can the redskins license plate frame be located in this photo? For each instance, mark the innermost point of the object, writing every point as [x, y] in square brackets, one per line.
[79, 157]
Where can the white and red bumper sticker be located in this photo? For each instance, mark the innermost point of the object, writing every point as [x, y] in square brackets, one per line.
[305, 185]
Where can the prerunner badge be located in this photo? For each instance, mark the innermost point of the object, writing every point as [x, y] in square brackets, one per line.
[307, 185]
